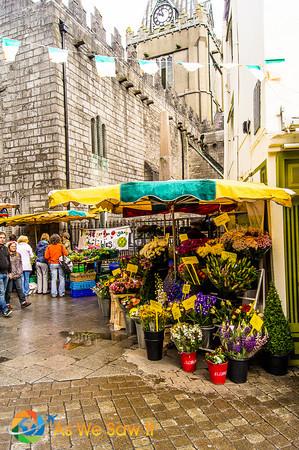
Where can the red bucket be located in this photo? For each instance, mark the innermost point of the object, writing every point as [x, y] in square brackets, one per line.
[217, 372]
[189, 361]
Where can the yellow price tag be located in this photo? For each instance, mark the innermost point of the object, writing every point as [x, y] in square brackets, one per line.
[156, 306]
[132, 268]
[167, 236]
[190, 260]
[221, 220]
[189, 303]
[186, 288]
[183, 237]
[256, 322]
[116, 272]
[231, 256]
[176, 312]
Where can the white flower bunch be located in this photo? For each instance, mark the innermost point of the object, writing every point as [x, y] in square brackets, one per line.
[186, 337]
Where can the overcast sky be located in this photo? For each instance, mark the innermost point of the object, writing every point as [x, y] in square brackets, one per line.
[121, 13]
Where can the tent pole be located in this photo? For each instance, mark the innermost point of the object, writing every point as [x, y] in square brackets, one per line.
[174, 241]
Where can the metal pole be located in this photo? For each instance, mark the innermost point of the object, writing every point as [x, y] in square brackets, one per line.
[63, 31]
[174, 241]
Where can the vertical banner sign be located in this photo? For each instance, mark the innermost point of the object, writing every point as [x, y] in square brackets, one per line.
[57, 55]
[117, 238]
[10, 48]
[105, 66]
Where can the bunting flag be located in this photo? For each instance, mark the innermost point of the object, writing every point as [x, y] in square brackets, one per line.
[150, 67]
[275, 61]
[57, 55]
[10, 48]
[105, 66]
[229, 66]
[191, 67]
[256, 71]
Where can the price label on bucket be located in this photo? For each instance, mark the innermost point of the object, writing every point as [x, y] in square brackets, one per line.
[176, 312]
[132, 268]
[186, 288]
[221, 220]
[256, 322]
[190, 260]
[230, 256]
[116, 272]
[189, 302]
[183, 237]
[156, 306]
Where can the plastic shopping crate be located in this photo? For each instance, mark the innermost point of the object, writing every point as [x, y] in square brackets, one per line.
[82, 293]
[80, 285]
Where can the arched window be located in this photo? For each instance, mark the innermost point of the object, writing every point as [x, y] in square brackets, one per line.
[98, 137]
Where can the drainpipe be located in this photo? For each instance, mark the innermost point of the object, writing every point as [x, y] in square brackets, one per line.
[63, 31]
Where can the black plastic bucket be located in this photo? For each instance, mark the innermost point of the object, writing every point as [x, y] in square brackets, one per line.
[154, 344]
[277, 365]
[238, 370]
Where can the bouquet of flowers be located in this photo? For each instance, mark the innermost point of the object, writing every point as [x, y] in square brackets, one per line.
[223, 311]
[152, 319]
[212, 247]
[154, 249]
[190, 246]
[186, 337]
[249, 242]
[230, 278]
[134, 313]
[102, 287]
[130, 302]
[218, 356]
[241, 341]
[126, 285]
[204, 310]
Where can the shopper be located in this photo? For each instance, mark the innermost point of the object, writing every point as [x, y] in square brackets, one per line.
[12, 238]
[26, 253]
[65, 239]
[5, 268]
[52, 254]
[42, 265]
[15, 276]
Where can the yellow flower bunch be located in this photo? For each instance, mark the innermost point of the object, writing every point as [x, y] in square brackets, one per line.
[213, 247]
[154, 248]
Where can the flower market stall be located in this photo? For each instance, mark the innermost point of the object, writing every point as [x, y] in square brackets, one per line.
[195, 287]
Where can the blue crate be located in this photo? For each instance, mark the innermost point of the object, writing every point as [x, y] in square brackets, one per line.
[82, 293]
[80, 285]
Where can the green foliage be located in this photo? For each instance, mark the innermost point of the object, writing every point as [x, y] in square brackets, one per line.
[280, 339]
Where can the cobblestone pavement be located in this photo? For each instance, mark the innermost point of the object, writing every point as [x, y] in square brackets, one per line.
[257, 415]
[111, 385]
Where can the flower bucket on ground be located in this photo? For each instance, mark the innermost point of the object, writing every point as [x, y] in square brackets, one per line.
[217, 365]
[187, 339]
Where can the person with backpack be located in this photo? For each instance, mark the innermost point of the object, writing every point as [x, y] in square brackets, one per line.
[42, 269]
[53, 252]
[5, 269]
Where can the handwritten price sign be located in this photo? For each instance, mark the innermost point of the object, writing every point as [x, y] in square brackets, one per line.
[116, 272]
[176, 313]
[189, 303]
[156, 306]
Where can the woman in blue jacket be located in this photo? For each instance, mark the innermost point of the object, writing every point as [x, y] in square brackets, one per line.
[42, 269]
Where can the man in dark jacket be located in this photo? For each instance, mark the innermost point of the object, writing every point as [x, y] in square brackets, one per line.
[5, 269]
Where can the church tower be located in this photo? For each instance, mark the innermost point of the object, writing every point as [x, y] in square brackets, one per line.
[181, 31]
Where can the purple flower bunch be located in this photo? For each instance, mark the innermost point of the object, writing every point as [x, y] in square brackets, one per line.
[204, 303]
[241, 341]
[174, 292]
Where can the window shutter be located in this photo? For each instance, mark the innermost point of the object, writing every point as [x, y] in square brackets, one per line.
[257, 107]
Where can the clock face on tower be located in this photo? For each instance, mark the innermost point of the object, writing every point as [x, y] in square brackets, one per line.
[163, 15]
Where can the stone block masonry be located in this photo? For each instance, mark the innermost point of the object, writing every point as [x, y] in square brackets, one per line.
[32, 135]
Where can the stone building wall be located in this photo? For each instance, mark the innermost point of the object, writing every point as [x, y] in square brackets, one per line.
[32, 107]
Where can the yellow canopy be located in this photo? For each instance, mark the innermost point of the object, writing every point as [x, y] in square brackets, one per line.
[149, 196]
[45, 217]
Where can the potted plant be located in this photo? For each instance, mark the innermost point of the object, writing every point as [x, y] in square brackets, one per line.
[127, 303]
[153, 320]
[187, 339]
[240, 342]
[203, 315]
[217, 365]
[280, 343]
